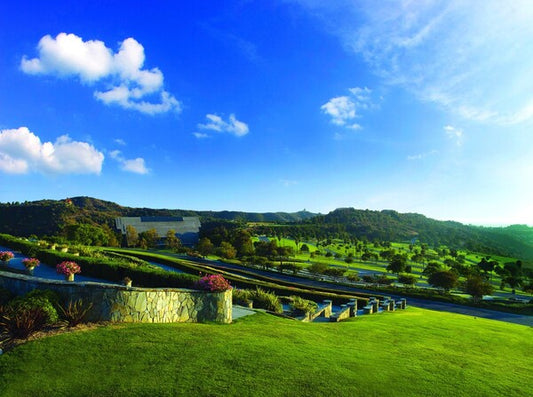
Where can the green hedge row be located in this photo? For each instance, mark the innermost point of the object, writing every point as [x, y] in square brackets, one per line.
[103, 268]
[247, 283]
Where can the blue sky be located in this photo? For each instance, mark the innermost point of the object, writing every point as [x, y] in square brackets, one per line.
[416, 106]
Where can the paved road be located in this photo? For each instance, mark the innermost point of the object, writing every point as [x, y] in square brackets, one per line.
[425, 304]
[471, 311]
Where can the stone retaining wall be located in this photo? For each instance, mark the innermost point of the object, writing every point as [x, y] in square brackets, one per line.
[130, 304]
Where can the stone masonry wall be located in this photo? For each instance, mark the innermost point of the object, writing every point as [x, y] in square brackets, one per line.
[130, 304]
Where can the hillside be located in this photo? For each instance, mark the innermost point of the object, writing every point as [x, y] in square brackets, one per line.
[388, 225]
[49, 217]
[409, 353]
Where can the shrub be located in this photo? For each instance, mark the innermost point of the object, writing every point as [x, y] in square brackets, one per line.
[302, 306]
[384, 280]
[213, 283]
[266, 300]
[44, 300]
[353, 277]
[407, 279]
[241, 296]
[73, 313]
[21, 323]
[334, 272]
[368, 278]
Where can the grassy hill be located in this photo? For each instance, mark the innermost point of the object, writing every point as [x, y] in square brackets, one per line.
[409, 353]
[49, 217]
[388, 225]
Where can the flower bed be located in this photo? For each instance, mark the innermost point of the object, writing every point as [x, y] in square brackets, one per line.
[213, 283]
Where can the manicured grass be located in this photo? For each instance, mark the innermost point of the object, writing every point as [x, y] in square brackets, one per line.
[408, 353]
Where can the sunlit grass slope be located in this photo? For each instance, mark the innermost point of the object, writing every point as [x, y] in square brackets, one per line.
[409, 353]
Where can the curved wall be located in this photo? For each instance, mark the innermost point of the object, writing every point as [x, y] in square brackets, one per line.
[118, 303]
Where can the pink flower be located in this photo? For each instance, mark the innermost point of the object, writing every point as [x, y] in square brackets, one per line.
[6, 256]
[213, 283]
[30, 262]
[68, 267]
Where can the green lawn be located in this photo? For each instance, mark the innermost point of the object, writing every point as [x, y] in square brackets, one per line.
[408, 353]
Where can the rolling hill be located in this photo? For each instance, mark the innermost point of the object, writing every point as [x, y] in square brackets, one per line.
[49, 217]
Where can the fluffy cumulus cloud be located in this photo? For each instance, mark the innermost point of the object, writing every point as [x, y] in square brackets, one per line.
[217, 124]
[120, 77]
[475, 61]
[137, 165]
[344, 110]
[21, 152]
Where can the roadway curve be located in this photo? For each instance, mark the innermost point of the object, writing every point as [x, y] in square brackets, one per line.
[417, 302]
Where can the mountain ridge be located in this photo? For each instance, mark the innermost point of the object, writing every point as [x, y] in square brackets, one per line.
[49, 217]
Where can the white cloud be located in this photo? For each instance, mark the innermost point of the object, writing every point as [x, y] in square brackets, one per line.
[232, 126]
[21, 152]
[475, 61]
[454, 134]
[120, 142]
[343, 110]
[421, 156]
[200, 135]
[136, 165]
[126, 82]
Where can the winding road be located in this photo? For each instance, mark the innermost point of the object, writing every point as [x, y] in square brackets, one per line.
[417, 302]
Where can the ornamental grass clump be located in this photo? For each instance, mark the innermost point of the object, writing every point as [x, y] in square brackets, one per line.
[74, 312]
[213, 283]
[266, 300]
[68, 267]
[30, 263]
[300, 305]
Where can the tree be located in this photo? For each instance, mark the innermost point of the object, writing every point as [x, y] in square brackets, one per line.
[284, 252]
[266, 248]
[397, 264]
[132, 237]
[226, 250]
[171, 240]
[150, 237]
[334, 272]
[431, 267]
[242, 241]
[444, 279]
[317, 268]
[407, 279]
[205, 247]
[477, 287]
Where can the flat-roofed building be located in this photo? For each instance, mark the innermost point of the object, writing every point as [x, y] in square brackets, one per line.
[187, 228]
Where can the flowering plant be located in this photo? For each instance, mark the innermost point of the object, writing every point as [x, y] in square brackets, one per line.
[30, 262]
[68, 267]
[213, 283]
[6, 256]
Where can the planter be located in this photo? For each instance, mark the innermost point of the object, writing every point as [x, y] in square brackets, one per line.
[30, 270]
[69, 277]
